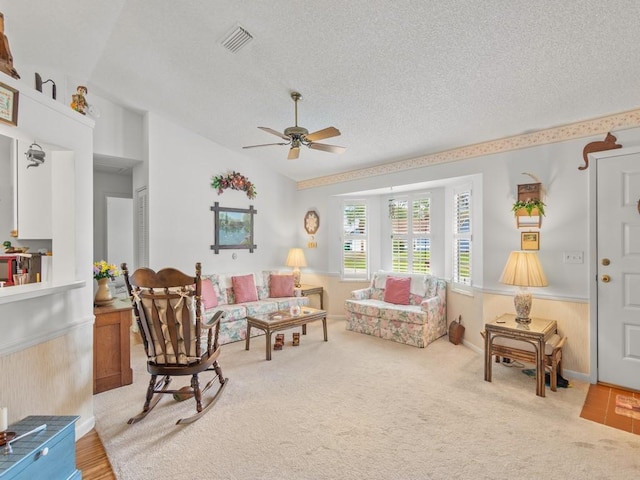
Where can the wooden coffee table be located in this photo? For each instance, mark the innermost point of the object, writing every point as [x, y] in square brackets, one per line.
[283, 320]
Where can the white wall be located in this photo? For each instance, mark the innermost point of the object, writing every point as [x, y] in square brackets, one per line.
[47, 341]
[564, 228]
[181, 165]
[118, 132]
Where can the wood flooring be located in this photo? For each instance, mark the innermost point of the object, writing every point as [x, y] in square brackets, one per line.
[91, 458]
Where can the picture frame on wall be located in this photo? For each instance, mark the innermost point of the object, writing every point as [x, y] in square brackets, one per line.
[530, 241]
[233, 228]
[8, 105]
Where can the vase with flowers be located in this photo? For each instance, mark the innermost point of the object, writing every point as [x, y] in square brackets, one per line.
[104, 272]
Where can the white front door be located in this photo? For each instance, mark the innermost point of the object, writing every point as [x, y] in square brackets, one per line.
[618, 270]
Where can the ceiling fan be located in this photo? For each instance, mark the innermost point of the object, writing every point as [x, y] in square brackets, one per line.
[296, 136]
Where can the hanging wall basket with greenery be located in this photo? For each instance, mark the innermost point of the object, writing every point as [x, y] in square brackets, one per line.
[234, 181]
[529, 206]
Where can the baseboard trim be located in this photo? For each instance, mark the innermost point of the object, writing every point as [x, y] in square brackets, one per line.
[85, 426]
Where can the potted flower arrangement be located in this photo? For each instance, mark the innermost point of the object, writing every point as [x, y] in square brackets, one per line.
[102, 273]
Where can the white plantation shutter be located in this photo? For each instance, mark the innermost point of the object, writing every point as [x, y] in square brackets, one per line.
[421, 228]
[410, 230]
[399, 235]
[462, 236]
[355, 240]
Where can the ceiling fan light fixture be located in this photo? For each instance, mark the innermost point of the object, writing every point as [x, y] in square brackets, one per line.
[297, 136]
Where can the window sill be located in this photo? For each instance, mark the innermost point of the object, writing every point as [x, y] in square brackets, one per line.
[18, 293]
[467, 291]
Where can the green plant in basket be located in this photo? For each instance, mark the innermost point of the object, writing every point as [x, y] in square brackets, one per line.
[529, 206]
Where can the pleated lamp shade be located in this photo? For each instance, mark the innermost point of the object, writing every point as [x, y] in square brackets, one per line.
[296, 259]
[524, 270]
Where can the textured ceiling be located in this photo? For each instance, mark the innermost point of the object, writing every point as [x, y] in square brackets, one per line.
[400, 79]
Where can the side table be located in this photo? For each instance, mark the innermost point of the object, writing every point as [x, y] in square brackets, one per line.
[111, 346]
[536, 333]
[307, 290]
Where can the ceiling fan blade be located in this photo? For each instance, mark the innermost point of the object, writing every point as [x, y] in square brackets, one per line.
[322, 134]
[265, 145]
[294, 153]
[275, 132]
[327, 148]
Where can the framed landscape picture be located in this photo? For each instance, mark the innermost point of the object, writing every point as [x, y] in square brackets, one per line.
[233, 228]
[8, 105]
[530, 241]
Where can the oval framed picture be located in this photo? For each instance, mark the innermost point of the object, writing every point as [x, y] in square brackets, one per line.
[311, 222]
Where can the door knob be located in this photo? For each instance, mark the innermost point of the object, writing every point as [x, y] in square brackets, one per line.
[606, 262]
[606, 278]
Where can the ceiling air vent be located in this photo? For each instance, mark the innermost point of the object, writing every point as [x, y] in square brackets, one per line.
[237, 39]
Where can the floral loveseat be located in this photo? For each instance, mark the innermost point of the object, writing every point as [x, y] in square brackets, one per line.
[253, 294]
[417, 320]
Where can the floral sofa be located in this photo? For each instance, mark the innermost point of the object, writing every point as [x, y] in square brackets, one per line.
[418, 319]
[249, 294]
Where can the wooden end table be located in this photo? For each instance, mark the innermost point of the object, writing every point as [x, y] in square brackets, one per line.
[307, 290]
[282, 320]
[536, 333]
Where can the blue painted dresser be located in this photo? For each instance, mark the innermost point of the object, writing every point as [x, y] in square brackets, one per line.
[46, 455]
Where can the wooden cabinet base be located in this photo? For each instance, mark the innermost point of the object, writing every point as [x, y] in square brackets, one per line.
[111, 346]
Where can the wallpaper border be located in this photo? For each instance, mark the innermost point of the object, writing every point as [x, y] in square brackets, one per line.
[601, 125]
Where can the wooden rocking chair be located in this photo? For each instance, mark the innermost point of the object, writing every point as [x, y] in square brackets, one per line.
[166, 305]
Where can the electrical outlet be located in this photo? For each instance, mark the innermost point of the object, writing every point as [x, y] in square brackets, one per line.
[573, 257]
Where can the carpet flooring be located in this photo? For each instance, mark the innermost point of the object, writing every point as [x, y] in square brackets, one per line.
[359, 407]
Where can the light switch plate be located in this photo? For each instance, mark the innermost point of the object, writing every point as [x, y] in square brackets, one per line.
[573, 257]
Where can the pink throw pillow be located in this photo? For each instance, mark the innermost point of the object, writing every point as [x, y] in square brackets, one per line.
[396, 290]
[280, 286]
[244, 288]
[209, 297]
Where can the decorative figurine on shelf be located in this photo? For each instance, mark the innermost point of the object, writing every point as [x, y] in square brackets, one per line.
[6, 59]
[78, 100]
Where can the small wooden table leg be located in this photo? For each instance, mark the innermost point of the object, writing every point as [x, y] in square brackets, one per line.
[540, 388]
[324, 327]
[304, 328]
[268, 338]
[246, 341]
[487, 356]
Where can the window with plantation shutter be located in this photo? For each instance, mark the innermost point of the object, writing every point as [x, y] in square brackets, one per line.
[462, 238]
[355, 261]
[410, 234]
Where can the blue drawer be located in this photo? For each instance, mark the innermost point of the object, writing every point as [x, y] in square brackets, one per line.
[46, 455]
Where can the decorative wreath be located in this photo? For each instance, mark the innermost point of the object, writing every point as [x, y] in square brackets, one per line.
[234, 181]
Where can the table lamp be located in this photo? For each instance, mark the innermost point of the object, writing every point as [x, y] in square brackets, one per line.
[524, 270]
[296, 260]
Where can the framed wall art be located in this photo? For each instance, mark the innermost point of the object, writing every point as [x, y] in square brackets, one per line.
[530, 241]
[8, 105]
[233, 228]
